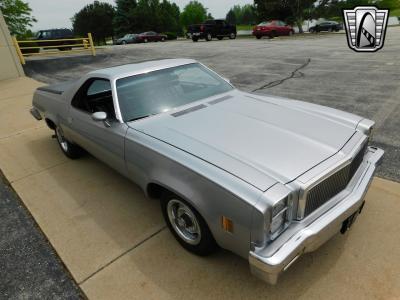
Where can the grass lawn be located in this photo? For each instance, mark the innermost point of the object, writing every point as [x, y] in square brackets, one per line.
[244, 27]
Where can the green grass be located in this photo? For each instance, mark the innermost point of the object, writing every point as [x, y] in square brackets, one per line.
[244, 27]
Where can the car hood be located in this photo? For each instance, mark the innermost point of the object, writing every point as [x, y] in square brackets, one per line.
[248, 136]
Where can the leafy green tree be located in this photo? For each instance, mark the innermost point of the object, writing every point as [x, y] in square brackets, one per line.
[243, 15]
[194, 13]
[123, 19]
[333, 8]
[17, 15]
[231, 17]
[96, 18]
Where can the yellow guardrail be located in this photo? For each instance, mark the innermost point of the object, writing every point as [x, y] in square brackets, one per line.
[80, 45]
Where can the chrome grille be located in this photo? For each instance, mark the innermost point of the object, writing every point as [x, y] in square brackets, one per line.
[333, 185]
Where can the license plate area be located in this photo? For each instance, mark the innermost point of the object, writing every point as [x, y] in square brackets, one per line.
[350, 220]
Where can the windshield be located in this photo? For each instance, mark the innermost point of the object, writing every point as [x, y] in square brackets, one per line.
[159, 91]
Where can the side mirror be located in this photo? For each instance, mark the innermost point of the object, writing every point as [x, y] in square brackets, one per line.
[99, 116]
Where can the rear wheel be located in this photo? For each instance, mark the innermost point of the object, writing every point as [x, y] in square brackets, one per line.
[187, 225]
[291, 32]
[163, 39]
[70, 150]
[146, 40]
[123, 43]
[232, 36]
[208, 37]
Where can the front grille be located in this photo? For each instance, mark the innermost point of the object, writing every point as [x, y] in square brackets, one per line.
[332, 185]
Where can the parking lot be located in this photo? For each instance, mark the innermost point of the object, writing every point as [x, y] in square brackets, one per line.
[114, 241]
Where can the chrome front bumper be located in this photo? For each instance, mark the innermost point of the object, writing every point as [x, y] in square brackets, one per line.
[318, 232]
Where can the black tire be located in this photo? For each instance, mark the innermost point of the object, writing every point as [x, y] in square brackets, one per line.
[146, 40]
[195, 39]
[208, 37]
[258, 37]
[70, 150]
[206, 244]
[163, 39]
[123, 42]
[220, 38]
[232, 36]
[311, 30]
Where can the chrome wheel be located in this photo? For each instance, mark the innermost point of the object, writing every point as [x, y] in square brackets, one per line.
[61, 140]
[184, 221]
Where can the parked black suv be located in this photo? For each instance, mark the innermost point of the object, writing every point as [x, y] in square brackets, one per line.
[55, 34]
[212, 29]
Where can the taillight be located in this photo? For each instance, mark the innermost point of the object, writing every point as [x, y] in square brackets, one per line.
[201, 28]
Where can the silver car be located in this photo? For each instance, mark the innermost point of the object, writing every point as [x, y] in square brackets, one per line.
[267, 178]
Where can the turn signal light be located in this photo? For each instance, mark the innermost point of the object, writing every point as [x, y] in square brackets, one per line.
[227, 224]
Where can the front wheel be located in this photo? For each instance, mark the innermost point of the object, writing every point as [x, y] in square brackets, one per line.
[291, 32]
[208, 37]
[195, 39]
[70, 150]
[258, 37]
[187, 225]
[232, 36]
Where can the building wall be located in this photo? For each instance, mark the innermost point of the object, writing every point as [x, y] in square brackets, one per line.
[10, 67]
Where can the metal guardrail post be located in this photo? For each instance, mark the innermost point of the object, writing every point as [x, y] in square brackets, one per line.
[91, 44]
[18, 50]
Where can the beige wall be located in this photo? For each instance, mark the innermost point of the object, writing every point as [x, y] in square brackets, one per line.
[10, 66]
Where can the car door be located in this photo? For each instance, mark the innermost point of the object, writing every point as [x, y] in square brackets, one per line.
[103, 139]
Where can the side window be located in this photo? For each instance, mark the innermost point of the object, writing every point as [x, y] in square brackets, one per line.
[95, 95]
[99, 86]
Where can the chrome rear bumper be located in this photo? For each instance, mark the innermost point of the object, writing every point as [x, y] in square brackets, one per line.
[318, 232]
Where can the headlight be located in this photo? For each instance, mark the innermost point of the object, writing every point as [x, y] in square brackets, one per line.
[278, 222]
[279, 206]
[279, 216]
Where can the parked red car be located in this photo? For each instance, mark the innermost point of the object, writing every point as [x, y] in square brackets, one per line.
[150, 36]
[272, 29]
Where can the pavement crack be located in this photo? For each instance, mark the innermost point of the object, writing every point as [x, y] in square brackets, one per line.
[122, 254]
[295, 74]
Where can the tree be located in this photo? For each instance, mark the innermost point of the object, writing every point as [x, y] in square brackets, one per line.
[146, 15]
[123, 19]
[231, 17]
[243, 15]
[96, 18]
[194, 13]
[333, 8]
[17, 15]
